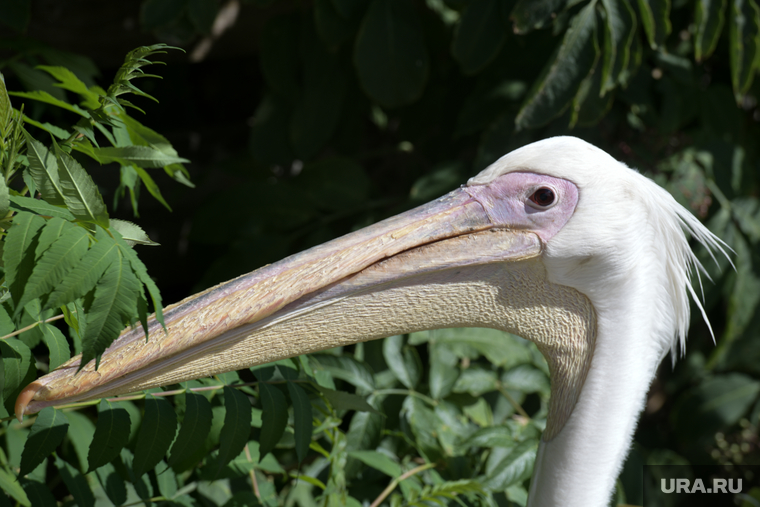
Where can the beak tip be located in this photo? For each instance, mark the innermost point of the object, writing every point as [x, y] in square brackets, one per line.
[25, 398]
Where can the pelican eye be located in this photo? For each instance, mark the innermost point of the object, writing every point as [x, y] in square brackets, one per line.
[543, 197]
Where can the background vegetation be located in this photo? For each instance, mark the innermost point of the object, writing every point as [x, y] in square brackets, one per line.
[305, 120]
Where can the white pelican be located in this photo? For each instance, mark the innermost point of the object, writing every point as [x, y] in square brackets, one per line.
[556, 242]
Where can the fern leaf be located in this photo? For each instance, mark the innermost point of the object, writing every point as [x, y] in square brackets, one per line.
[18, 254]
[43, 167]
[85, 275]
[39, 207]
[54, 228]
[55, 262]
[79, 191]
[112, 306]
[142, 274]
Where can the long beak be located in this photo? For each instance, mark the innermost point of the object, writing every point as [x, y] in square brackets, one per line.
[452, 262]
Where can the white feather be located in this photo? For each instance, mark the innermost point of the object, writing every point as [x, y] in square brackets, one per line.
[626, 248]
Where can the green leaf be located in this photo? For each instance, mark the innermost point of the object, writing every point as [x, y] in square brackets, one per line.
[403, 361]
[529, 15]
[39, 494]
[348, 369]
[69, 81]
[515, 467]
[5, 202]
[55, 262]
[76, 484]
[237, 425]
[142, 274]
[157, 431]
[500, 348]
[390, 54]
[745, 296]
[718, 402]
[46, 434]
[591, 104]
[302, 419]
[619, 31]
[274, 417]
[443, 370]
[112, 307]
[57, 345]
[378, 461]
[39, 207]
[364, 432]
[49, 99]
[53, 229]
[18, 253]
[6, 109]
[18, 368]
[48, 127]
[79, 436]
[525, 378]
[341, 400]
[655, 16]
[6, 324]
[479, 35]
[111, 435]
[493, 436]
[195, 428]
[80, 193]
[744, 32]
[708, 18]
[132, 233]
[142, 484]
[83, 278]
[426, 427]
[143, 156]
[561, 77]
[151, 185]
[10, 485]
[112, 483]
[476, 381]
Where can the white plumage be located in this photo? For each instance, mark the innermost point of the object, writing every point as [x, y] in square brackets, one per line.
[626, 248]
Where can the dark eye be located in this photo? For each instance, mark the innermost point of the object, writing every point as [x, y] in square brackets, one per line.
[543, 197]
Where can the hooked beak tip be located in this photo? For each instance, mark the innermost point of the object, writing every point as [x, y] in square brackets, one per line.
[25, 397]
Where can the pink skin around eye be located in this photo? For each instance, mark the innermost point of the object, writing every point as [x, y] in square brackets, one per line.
[506, 199]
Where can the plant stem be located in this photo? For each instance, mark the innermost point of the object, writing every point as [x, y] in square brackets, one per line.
[387, 491]
[514, 403]
[407, 392]
[31, 326]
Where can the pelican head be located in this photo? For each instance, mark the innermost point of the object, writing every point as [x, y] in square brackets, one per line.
[556, 242]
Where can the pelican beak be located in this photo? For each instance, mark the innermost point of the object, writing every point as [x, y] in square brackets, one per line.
[453, 262]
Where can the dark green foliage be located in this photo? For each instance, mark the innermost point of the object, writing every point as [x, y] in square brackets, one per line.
[111, 435]
[46, 434]
[358, 110]
[237, 425]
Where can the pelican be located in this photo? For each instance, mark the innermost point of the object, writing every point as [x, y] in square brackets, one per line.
[556, 241]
